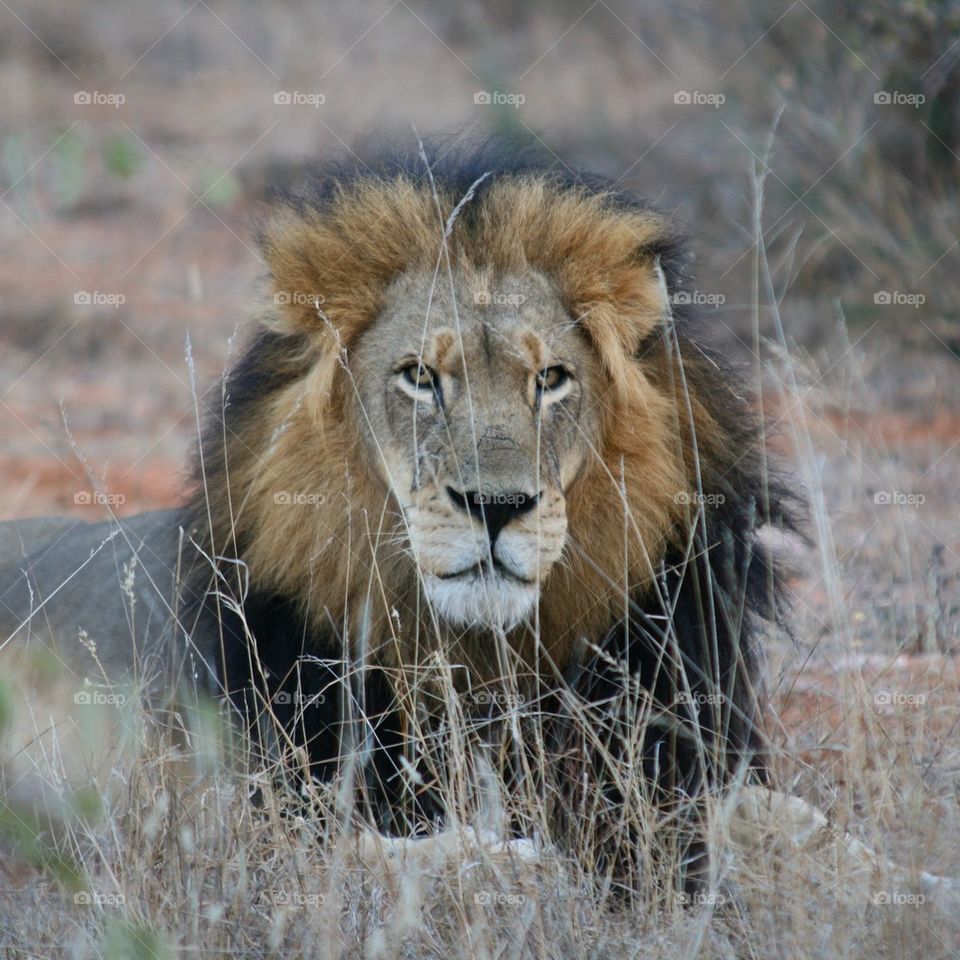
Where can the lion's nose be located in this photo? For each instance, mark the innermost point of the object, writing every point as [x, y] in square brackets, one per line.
[494, 510]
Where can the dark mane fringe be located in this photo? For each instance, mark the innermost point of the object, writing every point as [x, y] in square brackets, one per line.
[715, 600]
[690, 640]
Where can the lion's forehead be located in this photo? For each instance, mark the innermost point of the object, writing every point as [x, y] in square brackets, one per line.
[487, 334]
[479, 312]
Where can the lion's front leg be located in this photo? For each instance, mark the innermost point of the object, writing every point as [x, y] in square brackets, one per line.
[762, 823]
[389, 858]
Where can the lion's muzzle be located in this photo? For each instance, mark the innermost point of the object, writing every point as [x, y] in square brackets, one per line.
[494, 510]
[483, 554]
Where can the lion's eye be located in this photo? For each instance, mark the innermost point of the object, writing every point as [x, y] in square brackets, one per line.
[420, 375]
[551, 378]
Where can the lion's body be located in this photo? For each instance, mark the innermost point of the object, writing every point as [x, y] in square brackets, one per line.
[474, 460]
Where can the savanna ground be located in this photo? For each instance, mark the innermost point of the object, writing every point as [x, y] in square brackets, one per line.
[829, 132]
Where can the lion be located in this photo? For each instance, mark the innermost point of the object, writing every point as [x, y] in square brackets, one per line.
[477, 451]
[477, 487]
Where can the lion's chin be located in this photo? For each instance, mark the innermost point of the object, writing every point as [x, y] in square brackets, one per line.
[483, 601]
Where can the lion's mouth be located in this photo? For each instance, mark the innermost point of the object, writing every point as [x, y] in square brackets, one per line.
[483, 570]
[475, 597]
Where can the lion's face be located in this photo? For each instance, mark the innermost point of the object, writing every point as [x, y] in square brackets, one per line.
[480, 411]
[499, 436]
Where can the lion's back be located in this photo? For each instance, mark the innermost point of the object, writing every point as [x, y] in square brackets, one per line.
[94, 595]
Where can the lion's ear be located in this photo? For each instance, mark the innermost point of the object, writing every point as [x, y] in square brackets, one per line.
[291, 247]
[331, 265]
[643, 304]
[634, 304]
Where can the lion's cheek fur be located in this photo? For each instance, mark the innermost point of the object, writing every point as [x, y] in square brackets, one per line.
[307, 509]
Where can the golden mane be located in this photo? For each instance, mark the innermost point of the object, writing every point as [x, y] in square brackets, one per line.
[330, 268]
